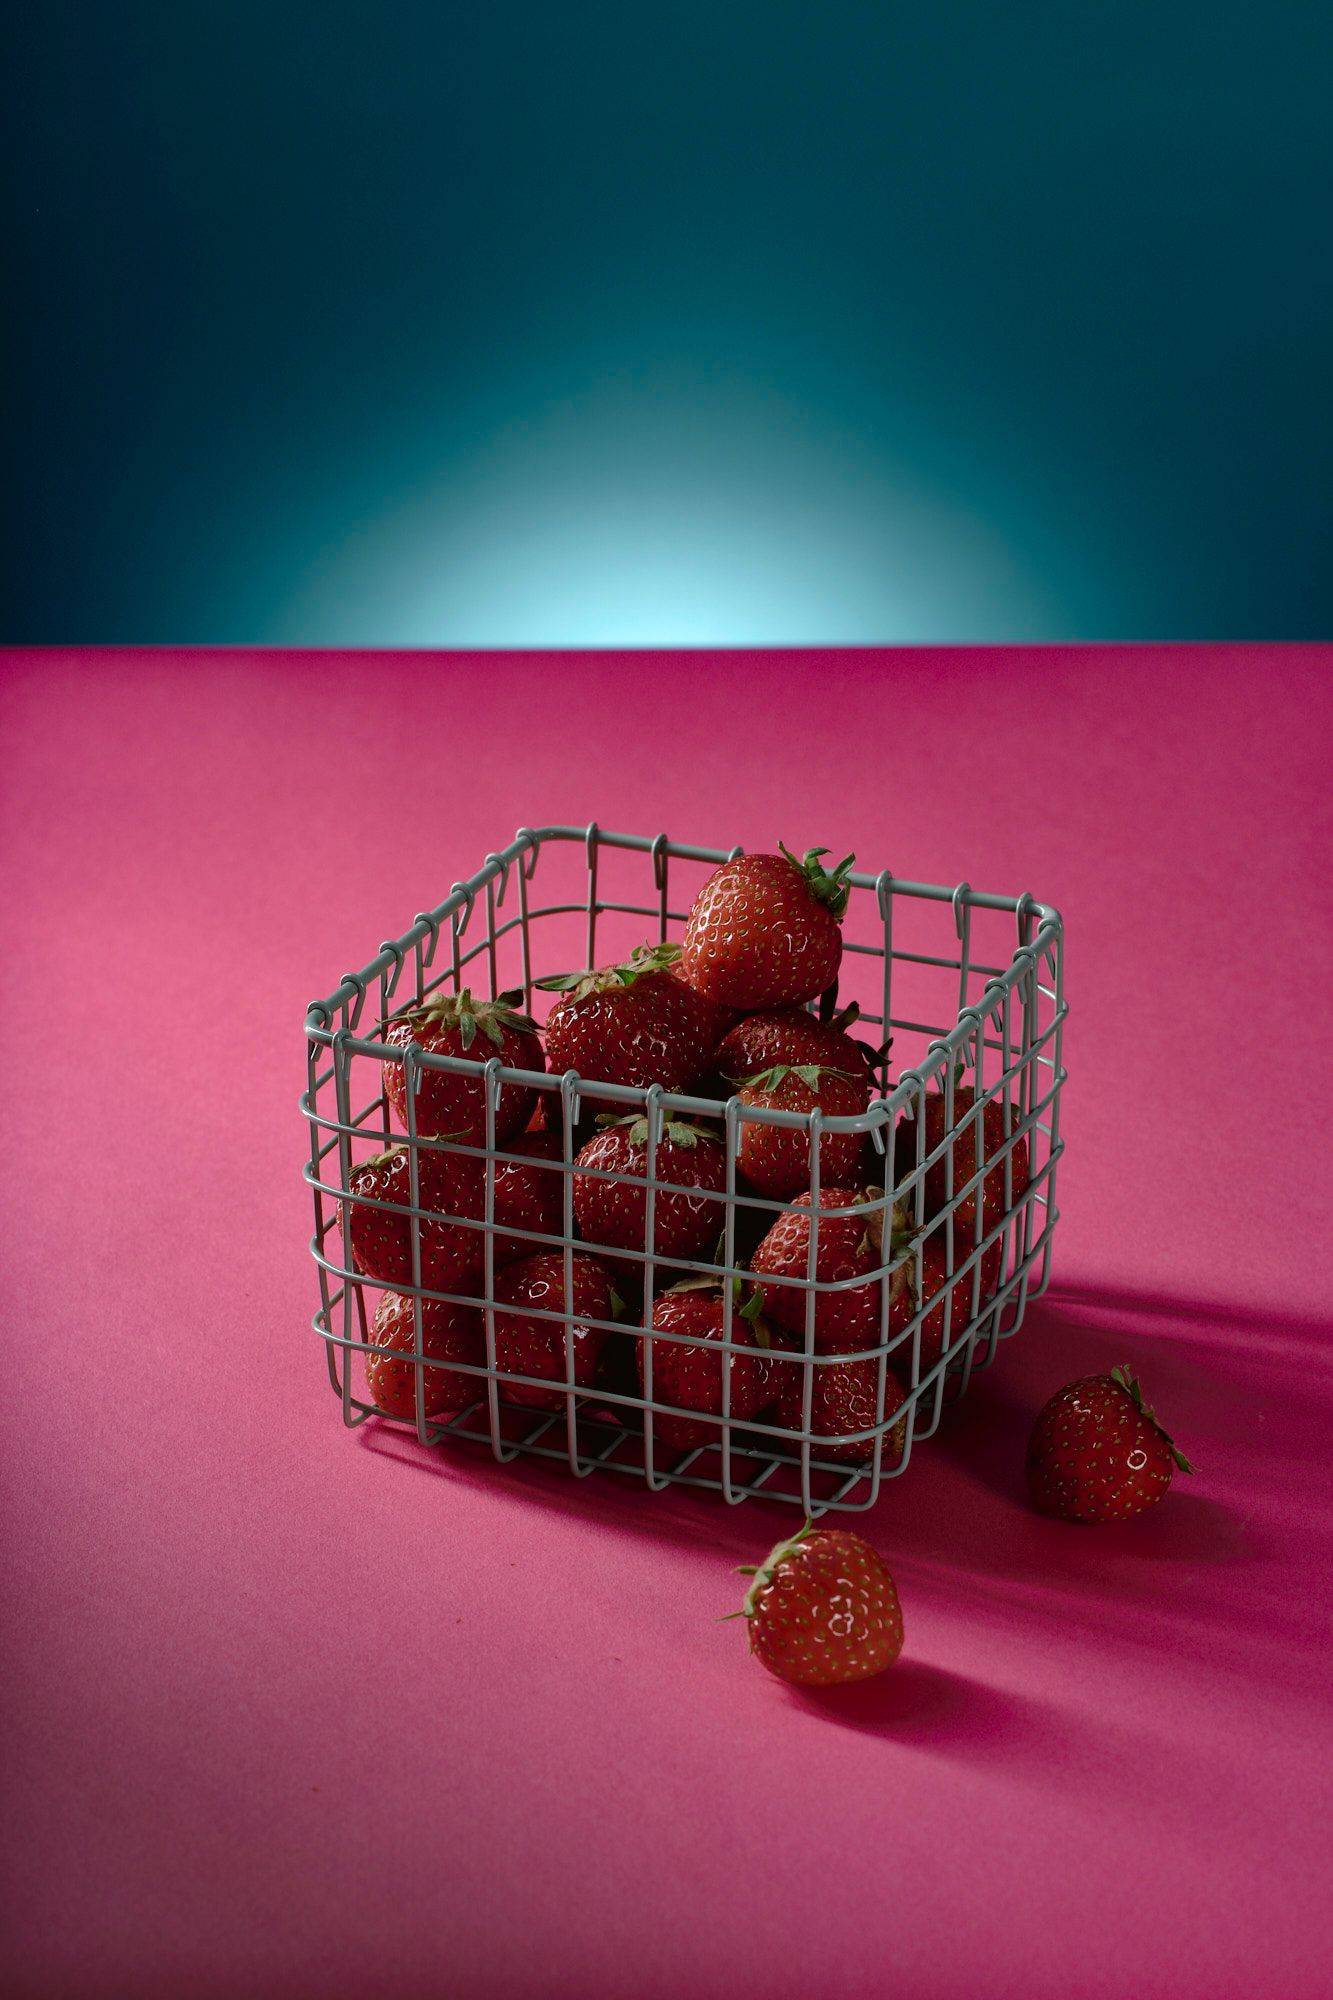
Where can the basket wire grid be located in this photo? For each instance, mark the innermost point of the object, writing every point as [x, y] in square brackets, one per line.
[1006, 1038]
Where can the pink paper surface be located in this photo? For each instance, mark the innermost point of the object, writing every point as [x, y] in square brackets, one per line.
[293, 1711]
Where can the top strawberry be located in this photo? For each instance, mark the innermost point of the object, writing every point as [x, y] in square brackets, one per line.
[764, 930]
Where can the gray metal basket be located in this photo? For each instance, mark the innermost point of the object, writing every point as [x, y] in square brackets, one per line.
[1004, 1032]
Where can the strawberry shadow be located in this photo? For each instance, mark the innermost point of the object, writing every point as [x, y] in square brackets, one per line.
[934, 1709]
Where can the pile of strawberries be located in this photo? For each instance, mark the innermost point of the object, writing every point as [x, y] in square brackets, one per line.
[727, 1012]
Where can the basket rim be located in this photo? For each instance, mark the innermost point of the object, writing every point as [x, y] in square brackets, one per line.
[524, 849]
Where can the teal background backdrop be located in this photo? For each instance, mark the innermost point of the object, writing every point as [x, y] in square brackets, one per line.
[717, 324]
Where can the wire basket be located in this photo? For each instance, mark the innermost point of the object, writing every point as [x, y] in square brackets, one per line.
[970, 985]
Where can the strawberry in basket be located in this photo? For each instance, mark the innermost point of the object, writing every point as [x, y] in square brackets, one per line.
[935, 1285]
[713, 1017]
[529, 1194]
[451, 1103]
[792, 1036]
[612, 1215]
[764, 930]
[965, 1160]
[844, 1399]
[848, 1247]
[689, 1376]
[380, 1240]
[529, 1343]
[448, 1333]
[775, 1159]
[634, 1024]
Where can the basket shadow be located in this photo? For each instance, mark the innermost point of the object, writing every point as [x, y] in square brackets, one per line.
[1208, 1317]
[617, 1501]
[1214, 1565]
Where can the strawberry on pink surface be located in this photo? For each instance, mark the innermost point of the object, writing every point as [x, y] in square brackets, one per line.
[1098, 1453]
[380, 1242]
[633, 1024]
[764, 930]
[613, 1215]
[454, 1104]
[448, 1333]
[690, 1377]
[844, 1399]
[776, 1160]
[823, 1609]
[526, 1344]
[848, 1247]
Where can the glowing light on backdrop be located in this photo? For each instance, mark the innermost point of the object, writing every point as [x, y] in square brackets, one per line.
[671, 512]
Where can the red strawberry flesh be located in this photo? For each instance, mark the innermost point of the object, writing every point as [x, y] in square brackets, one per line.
[448, 1333]
[764, 931]
[823, 1609]
[453, 1103]
[1097, 1453]
[529, 1343]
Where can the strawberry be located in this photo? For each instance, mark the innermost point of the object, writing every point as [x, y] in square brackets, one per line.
[843, 1399]
[613, 1216]
[714, 1019]
[690, 1377]
[764, 930]
[776, 1160]
[792, 1036]
[528, 1345]
[454, 1104]
[848, 1247]
[823, 1609]
[448, 1333]
[380, 1241]
[965, 1162]
[529, 1194]
[633, 1024]
[1098, 1454]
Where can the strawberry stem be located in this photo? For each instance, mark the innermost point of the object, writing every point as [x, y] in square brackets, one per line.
[827, 886]
[644, 959]
[809, 1074]
[461, 1011]
[763, 1575]
[1124, 1378]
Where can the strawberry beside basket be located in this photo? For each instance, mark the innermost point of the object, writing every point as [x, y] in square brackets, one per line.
[631, 1282]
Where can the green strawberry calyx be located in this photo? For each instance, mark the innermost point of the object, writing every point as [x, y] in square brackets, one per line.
[769, 1080]
[385, 1158]
[643, 960]
[681, 1132]
[901, 1238]
[827, 886]
[764, 1572]
[374, 1161]
[752, 1312]
[1124, 1379]
[459, 1010]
